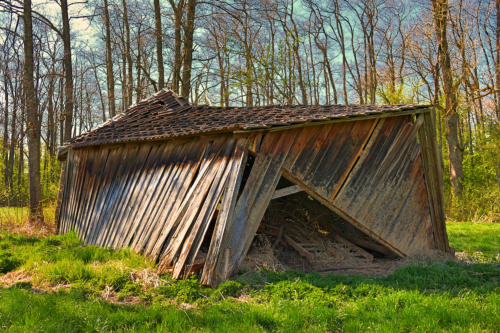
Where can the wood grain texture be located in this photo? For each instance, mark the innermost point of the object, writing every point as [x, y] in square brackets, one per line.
[163, 198]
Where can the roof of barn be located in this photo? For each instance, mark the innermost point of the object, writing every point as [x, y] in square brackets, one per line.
[165, 115]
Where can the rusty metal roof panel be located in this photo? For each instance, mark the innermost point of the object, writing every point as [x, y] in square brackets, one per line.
[165, 115]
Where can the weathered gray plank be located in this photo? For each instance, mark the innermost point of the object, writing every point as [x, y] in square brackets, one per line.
[224, 218]
[255, 197]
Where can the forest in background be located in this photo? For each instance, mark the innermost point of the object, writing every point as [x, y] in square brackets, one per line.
[65, 67]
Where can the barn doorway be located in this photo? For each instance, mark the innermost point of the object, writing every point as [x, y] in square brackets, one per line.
[299, 233]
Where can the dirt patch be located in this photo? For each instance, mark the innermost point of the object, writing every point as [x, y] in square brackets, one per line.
[28, 229]
[11, 278]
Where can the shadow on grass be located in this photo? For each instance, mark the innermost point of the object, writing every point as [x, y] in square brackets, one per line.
[449, 277]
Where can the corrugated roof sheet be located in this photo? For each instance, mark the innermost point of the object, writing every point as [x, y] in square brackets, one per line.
[165, 115]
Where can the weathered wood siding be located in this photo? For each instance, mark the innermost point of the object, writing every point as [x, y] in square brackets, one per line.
[158, 199]
[368, 171]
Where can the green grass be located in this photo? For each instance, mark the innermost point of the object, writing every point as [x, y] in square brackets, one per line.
[421, 297]
[479, 241]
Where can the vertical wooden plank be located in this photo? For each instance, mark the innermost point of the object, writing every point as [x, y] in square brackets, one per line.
[176, 188]
[135, 199]
[81, 173]
[105, 194]
[118, 184]
[134, 171]
[67, 190]
[98, 172]
[167, 162]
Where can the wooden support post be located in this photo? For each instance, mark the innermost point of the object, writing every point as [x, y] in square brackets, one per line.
[282, 192]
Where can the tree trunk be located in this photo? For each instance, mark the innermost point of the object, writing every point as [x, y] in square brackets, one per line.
[33, 123]
[128, 54]
[5, 147]
[68, 73]
[109, 63]
[159, 45]
[176, 73]
[497, 87]
[455, 149]
[188, 48]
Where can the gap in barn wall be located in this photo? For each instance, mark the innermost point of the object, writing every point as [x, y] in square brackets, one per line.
[246, 172]
[297, 232]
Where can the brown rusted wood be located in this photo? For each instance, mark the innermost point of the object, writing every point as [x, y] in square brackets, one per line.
[168, 161]
[106, 195]
[118, 184]
[181, 188]
[192, 243]
[342, 214]
[362, 149]
[66, 193]
[183, 224]
[150, 183]
[72, 193]
[125, 205]
[80, 174]
[86, 193]
[178, 185]
[384, 191]
[130, 224]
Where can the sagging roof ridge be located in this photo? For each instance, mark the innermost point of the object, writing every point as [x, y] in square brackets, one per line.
[165, 115]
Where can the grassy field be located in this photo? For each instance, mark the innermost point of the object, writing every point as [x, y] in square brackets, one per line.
[56, 284]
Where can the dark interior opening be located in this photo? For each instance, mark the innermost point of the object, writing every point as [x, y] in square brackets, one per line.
[246, 172]
[299, 233]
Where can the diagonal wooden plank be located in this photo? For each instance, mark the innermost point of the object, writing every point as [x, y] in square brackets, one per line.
[192, 243]
[185, 221]
[178, 185]
[224, 217]
[255, 198]
[184, 203]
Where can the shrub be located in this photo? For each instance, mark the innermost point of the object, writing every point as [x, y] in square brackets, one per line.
[186, 291]
[230, 288]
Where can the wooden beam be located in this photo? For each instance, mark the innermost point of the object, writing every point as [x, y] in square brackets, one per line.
[342, 214]
[283, 192]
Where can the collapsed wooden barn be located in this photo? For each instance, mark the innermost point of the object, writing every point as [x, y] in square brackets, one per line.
[189, 185]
